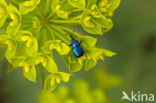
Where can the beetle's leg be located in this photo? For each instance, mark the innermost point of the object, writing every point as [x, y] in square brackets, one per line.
[70, 45]
[80, 42]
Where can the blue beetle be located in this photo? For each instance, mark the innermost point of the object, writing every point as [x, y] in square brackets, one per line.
[77, 49]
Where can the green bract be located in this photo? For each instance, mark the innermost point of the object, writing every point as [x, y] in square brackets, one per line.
[34, 31]
[3, 12]
[53, 79]
[28, 6]
[15, 25]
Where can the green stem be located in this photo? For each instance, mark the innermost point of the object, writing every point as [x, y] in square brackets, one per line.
[47, 6]
[59, 33]
[77, 10]
[40, 77]
[65, 21]
[77, 17]
[68, 30]
[49, 29]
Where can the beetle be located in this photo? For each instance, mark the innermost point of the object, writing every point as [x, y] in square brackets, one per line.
[77, 48]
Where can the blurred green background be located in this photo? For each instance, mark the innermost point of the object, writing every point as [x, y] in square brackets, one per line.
[133, 38]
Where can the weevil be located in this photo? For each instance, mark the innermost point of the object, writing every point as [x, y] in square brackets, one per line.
[77, 48]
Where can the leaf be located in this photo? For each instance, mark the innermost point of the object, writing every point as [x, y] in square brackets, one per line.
[87, 41]
[93, 30]
[57, 45]
[109, 53]
[4, 37]
[11, 50]
[74, 67]
[32, 47]
[93, 53]
[10, 53]
[50, 65]
[64, 76]
[54, 4]
[29, 72]
[15, 25]
[91, 3]
[36, 25]
[114, 4]
[28, 6]
[50, 82]
[77, 3]
[64, 49]
[90, 64]
[31, 42]
[104, 22]
[88, 24]
[18, 61]
[3, 12]
[57, 7]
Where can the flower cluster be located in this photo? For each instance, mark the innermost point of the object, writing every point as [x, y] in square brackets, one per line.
[33, 30]
[82, 92]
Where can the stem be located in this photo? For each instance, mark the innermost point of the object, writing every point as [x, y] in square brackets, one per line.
[49, 29]
[58, 32]
[68, 30]
[47, 6]
[77, 17]
[77, 10]
[65, 21]
[50, 15]
[40, 77]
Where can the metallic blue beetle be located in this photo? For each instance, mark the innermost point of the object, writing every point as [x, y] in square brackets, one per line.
[77, 49]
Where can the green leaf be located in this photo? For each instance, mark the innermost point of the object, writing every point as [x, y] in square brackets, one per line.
[23, 33]
[32, 47]
[50, 64]
[31, 42]
[29, 72]
[3, 12]
[10, 53]
[54, 4]
[50, 82]
[88, 24]
[57, 45]
[57, 7]
[4, 37]
[11, 50]
[93, 30]
[15, 25]
[64, 76]
[91, 3]
[87, 41]
[18, 61]
[77, 3]
[114, 4]
[104, 22]
[108, 53]
[93, 53]
[90, 64]
[28, 6]
[75, 67]
[36, 25]
[64, 49]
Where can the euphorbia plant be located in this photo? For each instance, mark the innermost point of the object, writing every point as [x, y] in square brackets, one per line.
[33, 30]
